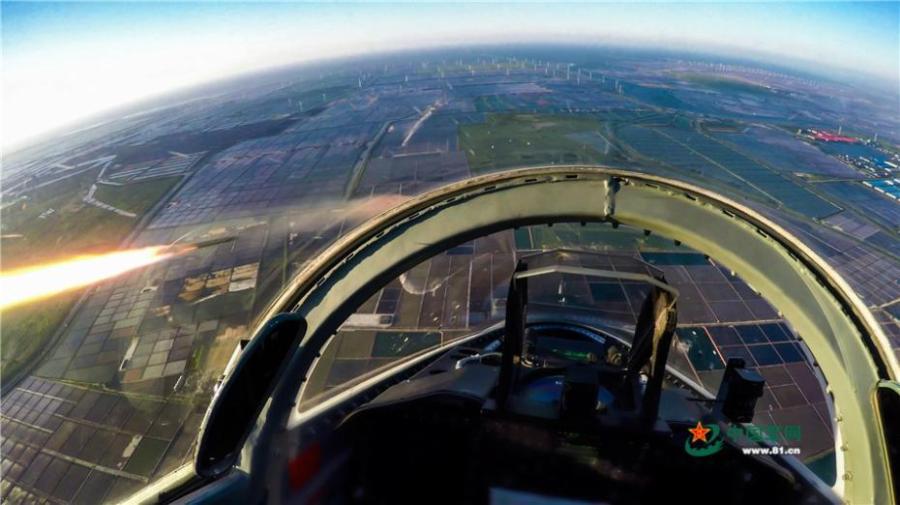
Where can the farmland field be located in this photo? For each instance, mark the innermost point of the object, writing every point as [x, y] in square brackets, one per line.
[513, 140]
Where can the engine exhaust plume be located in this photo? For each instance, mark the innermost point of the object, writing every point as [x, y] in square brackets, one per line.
[33, 283]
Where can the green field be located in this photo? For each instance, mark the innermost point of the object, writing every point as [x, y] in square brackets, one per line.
[514, 140]
[72, 228]
[27, 328]
[137, 197]
[147, 456]
[68, 225]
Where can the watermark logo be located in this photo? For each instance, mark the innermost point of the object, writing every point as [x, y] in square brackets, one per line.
[706, 440]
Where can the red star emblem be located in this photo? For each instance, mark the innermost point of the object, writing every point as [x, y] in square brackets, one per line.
[699, 432]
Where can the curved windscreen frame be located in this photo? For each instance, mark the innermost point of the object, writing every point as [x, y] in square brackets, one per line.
[846, 341]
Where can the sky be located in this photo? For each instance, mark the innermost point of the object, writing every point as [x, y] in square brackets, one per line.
[63, 62]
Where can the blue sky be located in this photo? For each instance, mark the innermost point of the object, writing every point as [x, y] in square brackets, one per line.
[65, 61]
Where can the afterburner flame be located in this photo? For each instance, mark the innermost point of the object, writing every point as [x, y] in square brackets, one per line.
[32, 283]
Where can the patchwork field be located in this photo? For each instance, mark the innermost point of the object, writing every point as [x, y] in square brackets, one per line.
[508, 140]
[52, 224]
[137, 197]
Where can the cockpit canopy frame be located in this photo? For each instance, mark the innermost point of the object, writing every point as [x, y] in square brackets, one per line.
[846, 341]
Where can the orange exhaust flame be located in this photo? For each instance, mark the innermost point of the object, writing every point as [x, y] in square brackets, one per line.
[33, 283]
